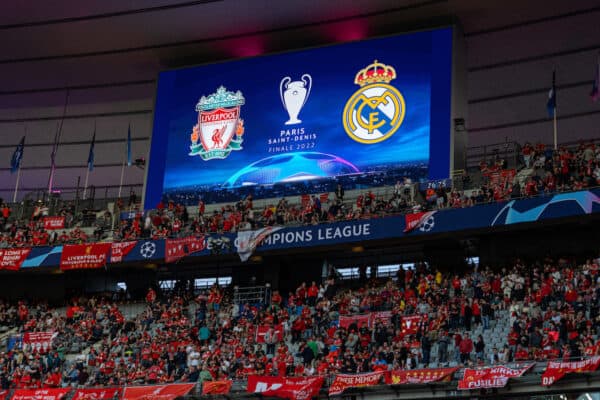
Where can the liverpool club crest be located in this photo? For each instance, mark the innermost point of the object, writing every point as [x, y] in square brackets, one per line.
[219, 129]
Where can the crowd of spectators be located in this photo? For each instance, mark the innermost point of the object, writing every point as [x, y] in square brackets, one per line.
[550, 310]
[22, 231]
[548, 171]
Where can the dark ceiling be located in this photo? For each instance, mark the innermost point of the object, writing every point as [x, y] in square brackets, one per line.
[49, 46]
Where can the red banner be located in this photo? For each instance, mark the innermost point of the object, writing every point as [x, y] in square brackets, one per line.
[39, 394]
[360, 320]
[261, 330]
[40, 342]
[216, 387]
[410, 324]
[417, 220]
[3, 394]
[84, 256]
[420, 376]
[490, 377]
[557, 370]
[343, 382]
[12, 259]
[51, 223]
[178, 248]
[385, 317]
[118, 250]
[157, 392]
[287, 388]
[96, 394]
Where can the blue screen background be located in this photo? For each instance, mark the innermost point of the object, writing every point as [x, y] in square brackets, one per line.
[422, 60]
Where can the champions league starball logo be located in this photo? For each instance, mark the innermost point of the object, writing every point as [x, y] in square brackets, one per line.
[584, 201]
[219, 130]
[147, 249]
[376, 110]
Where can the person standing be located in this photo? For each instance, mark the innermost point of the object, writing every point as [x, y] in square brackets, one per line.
[465, 348]
[339, 193]
[480, 348]
[443, 342]
[467, 315]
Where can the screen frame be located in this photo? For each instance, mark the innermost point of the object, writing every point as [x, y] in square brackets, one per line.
[450, 85]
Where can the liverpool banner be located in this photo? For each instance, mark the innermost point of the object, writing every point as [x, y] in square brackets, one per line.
[157, 392]
[51, 223]
[248, 241]
[96, 394]
[12, 259]
[343, 382]
[369, 319]
[118, 250]
[286, 388]
[216, 387]
[261, 330]
[176, 249]
[360, 320]
[490, 377]
[410, 324]
[420, 376]
[39, 342]
[84, 256]
[557, 370]
[39, 394]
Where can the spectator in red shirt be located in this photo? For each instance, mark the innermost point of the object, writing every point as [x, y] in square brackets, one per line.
[313, 292]
[465, 348]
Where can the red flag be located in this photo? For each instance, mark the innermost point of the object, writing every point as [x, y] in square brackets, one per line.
[217, 387]
[40, 342]
[490, 377]
[84, 256]
[39, 394]
[416, 220]
[420, 376]
[343, 382]
[410, 324]
[287, 388]
[3, 394]
[261, 330]
[556, 370]
[360, 320]
[51, 223]
[118, 250]
[157, 392]
[96, 394]
[385, 317]
[12, 259]
[178, 248]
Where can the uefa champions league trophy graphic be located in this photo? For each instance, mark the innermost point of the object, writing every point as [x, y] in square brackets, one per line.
[294, 95]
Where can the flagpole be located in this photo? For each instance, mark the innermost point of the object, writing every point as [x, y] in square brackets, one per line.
[87, 175]
[19, 169]
[555, 131]
[121, 183]
[17, 184]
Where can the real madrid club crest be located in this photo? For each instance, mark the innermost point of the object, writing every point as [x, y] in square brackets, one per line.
[376, 110]
[220, 129]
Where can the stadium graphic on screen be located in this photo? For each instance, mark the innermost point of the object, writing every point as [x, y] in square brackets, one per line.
[286, 123]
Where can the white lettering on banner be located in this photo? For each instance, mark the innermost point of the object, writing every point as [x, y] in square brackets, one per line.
[264, 387]
[329, 233]
[488, 383]
[547, 380]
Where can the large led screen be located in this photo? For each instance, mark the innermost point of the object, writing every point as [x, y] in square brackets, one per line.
[363, 114]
